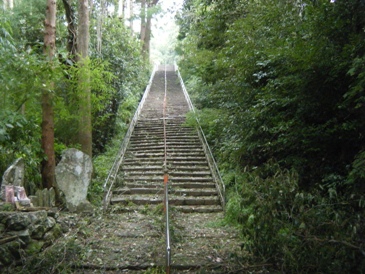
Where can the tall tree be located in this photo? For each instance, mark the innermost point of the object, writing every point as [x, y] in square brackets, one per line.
[143, 24]
[146, 38]
[8, 4]
[99, 26]
[48, 164]
[120, 9]
[131, 14]
[83, 38]
[70, 18]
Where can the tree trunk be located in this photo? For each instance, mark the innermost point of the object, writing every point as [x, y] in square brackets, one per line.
[143, 26]
[99, 26]
[147, 41]
[147, 38]
[131, 14]
[85, 128]
[48, 164]
[120, 10]
[8, 4]
[70, 18]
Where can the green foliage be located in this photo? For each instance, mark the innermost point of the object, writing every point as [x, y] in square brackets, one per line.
[19, 137]
[288, 81]
[281, 96]
[7, 207]
[121, 51]
[115, 76]
[27, 22]
[103, 162]
[61, 257]
[67, 104]
[292, 229]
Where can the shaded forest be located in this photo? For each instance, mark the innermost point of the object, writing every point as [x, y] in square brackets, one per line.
[280, 88]
[113, 70]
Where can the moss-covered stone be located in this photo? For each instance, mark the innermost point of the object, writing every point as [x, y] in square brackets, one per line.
[2, 228]
[17, 221]
[23, 235]
[34, 247]
[53, 234]
[11, 251]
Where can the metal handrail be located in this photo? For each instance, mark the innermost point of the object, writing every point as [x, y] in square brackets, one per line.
[211, 161]
[168, 244]
[166, 176]
[110, 180]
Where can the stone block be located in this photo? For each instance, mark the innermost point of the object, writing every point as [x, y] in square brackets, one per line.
[73, 176]
[39, 195]
[52, 197]
[14, 175]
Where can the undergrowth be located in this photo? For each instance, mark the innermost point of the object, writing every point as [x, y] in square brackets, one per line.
[293, 230]
[62, 257]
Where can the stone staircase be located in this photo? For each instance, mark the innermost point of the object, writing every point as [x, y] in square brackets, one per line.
[131, 237]
[140, 177]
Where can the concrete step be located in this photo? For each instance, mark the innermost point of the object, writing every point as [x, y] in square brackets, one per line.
[172, 174]
[175, 185]
[198, 209]
[161, 148]
[182, 179]
[177, 162]
[194, 168]
[160, 143]
[189, 173]
[129, 160]
[157, 144]
[159, 190]
[156, 178]
[180, 208]
[172, 163]
[171, 159]
[158, 168]
[132, 167]
[158, 198]
[184, 150]
[170, 155]
[142, 173]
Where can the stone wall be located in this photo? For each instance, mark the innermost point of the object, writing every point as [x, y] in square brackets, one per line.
[26, 233]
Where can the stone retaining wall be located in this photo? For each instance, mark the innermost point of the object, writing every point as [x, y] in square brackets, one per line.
[26, 233]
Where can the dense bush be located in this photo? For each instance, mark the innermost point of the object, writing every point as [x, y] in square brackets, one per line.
[295, 230]
[287, 78]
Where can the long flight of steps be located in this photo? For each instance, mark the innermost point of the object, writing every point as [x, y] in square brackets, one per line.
[130, 238]
[191, 187]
